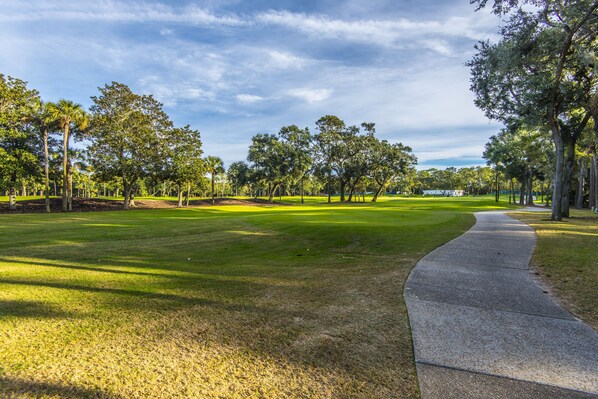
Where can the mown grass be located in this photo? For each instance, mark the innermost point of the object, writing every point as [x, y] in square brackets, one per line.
[214, 302]
[565, 258]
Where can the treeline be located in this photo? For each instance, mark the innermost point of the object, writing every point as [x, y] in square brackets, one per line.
[541, 80]
[133, 148]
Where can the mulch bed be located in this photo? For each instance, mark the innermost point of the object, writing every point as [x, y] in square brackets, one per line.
[96, 204]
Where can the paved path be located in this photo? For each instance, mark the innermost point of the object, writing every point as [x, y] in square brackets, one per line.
[482, 328]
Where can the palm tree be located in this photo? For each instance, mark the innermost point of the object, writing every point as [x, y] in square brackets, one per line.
[215, 166]
[68, 115]
[47, 123]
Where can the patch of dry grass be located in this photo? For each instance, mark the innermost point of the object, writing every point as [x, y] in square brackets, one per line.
[566, 259]
[222, 302]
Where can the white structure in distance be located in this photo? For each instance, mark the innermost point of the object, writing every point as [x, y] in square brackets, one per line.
[445, 193]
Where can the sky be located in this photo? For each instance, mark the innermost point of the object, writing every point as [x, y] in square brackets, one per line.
[233, 68]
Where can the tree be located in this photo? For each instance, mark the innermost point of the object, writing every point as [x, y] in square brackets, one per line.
[522, 154]
[388, 162]
[69, 116]
[18, 159]
[238, 175]
[185, 162]
[281, 158]
[128, 134]
[215, 167]
[541, 71]
[334, 147]
[46, 123]
[297, 144]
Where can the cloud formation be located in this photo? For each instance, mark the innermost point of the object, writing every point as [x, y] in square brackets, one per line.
[233, 69]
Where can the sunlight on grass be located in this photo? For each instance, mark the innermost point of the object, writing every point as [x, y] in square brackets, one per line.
[225, 301]
[565, 258]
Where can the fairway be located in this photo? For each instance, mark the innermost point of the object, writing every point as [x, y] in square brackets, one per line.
[235, 301]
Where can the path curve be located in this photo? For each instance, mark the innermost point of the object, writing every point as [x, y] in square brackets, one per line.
[483, 328]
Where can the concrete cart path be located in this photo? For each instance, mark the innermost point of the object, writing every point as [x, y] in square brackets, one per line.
[482, 327]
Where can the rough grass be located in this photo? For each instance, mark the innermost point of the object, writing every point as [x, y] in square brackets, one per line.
[214, 302]
[565, 258]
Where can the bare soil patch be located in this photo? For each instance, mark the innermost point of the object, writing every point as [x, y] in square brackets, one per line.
[98, 204]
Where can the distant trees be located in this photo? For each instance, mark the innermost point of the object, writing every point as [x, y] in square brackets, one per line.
[521, 154]
[132, 147]
[338, 155]
[239, 175]
[184, 164]
[280, 158]
[214, 166]
[478, 180]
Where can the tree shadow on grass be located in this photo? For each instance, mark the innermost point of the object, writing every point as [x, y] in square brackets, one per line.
[16, 387]
[18, 308]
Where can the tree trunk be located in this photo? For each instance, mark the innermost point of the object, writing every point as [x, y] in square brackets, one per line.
[12, 199]
[557, 185]
[378, 192]
[188, 194]
[593, 182]
[212, 188]
[522, 192]
[568, 175]
[581, 182]
[69, 190]
[342, 184]
[497, 196]
[530, 188]
[180, 197]
[271, 194]
[65, 157]
[127, 193]
[512, 194]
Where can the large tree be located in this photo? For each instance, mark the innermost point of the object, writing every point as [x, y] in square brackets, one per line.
[388, 162]
[297, 144]
[128, 135]
[335, 145]
[185, 163]
[69, 116]
[541, 71]
[18, 159]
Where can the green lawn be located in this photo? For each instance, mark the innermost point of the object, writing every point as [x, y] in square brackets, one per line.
[566, 259]
[237, 301]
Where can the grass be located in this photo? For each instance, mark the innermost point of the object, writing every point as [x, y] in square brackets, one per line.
[565, 259]
[236, 302]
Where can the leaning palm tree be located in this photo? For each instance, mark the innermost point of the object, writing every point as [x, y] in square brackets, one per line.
[215, 166]
[68, 115]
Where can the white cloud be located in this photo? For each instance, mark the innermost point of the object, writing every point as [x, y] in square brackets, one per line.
[439, 46]
[112, 11]
[286, 60]
[310, 95]
[248, 98]
[388, 33]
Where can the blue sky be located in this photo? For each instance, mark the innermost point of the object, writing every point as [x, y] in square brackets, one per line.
[233, 68]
